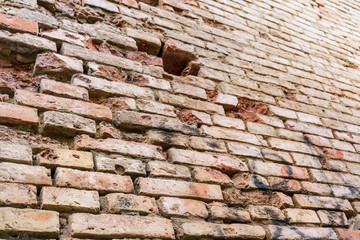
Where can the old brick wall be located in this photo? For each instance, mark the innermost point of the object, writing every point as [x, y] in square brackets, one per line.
[180, 119]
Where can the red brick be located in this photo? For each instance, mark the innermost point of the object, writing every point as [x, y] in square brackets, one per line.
[47, 102]
[60, 89]
[18, 24]
[144, 58]
[348, 234]
[11, 113]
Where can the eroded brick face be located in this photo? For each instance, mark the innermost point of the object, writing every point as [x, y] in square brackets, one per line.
[186, 120]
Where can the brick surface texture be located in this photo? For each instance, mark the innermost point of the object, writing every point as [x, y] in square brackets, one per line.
[180, 119]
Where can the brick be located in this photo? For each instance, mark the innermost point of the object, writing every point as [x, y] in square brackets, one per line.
[304, 160]
[27, 41]
[167, 139]
[18, 24]
[303, 117]
[243, 149]
[291, 232]
[347, 137]
[17, 195]
[194, 117]
[348, 234]
[186, 102]
[145, 58]
[212, 74]
[230, 134]
[286, 185]
[250, 181]
[265, 213]
[332, 218]
[120, 202]
[176, 55]
[189, 90]
[199, 230]
[69, 200]
[226, 100]
[262, 129]
[207, 175]
[342, 145]
[47, 102]
[136, 120]
[171, 188]
[316, 188]
[276, 169]
[220, 211]
[297, 215]
[16, 153]
[227, 164]
[323, 176]
[282, 112]
[307, 128]
[155, 107]
[145, 41]
[60, 89]
[56, 64]
[118, 103]
[101, 87]
[277, 156]
[102, 58]
[135, 149]
[345, 192]
[66, 124]
[103, 71]
[288, 145]
[108, 6]
[18, 173]
[66, 158]
[60, 35]
[29, 222]
[207, 144]
[336, 154]
[317, 140]
[143, 80]
[93, 226]
[14, 114]
[165, 169]
[114, 163]
[288, 134]
[103, 182]
[314, 202]
[177, 207]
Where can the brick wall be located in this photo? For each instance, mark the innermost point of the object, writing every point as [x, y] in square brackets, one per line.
[180, 119]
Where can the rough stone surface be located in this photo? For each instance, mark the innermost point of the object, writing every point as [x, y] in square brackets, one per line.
[15, 153]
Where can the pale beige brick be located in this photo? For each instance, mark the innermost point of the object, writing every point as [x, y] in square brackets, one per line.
[120, 202]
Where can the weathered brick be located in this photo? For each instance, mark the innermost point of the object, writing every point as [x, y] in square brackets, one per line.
[224, 163]
[316, 188]
[297, 215]
[155, 107]
[207, 144]
[171, 188]
[118, 226]
[228, 122]
[60, 89]
[345, 192]
[231, 134]
[69, 200]
[176, 55]
[58, 65]
[314, 202]
[26, 41]
[262, 129]
[145, 41]
[189, 90]
[317, 140]
[10, 113]
[165, 169]
[186, 102]
[194, 117]
[207, 175]
[348, 234]
[244, 149]
[144, 58]
[250, 181]
[60, 35]
[275, 169]
[266, 213]
[108, 6]
[143, 80]
[120, 202]
[277, 156]
[17, 195]
[47, 102]
[18, 24]
[226, 100]
[332, 218]
[220, 211]
[66, 124]
[103, 182]
[288, 145]
[135, 149]
[29, 222]
[89, 55]
[291, 232]
[166, 139]
[177, 207]
[307, 128]
[304, 160]
[101, 87]
[66, 158]
[138, 120]
[16, 153]
[103, 71]
[18, 173]
[200, 230]
[119, 164]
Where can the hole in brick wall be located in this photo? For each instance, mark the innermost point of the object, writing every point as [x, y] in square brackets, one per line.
[248, 111]
[119, 169]
[176, 56]
[191, 69]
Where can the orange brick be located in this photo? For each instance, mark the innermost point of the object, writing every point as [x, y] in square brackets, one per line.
[10, 113]
[18, 24]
